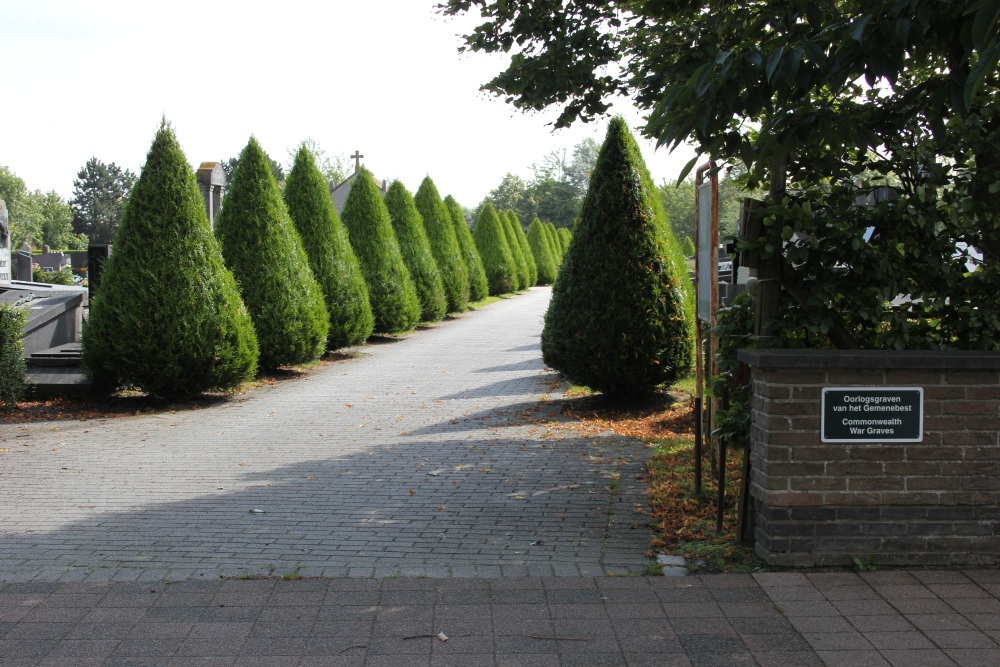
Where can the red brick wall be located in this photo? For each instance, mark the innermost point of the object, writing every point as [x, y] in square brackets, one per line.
[932, 502]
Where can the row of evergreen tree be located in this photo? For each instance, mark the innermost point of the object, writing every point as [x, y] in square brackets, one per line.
[283, 279]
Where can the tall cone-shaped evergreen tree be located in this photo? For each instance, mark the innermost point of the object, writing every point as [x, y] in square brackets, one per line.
[441, 233]
[522, 241]
[168, 318]
[264, 252]
[416, 250]
[542, 252]
[478, 287]
[552, 234]
[490, 235]
[618, 321]
[331, 257]
[393, 294]
[565, 237]
[521, 270]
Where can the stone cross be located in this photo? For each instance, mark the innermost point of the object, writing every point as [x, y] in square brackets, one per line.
[357, 160]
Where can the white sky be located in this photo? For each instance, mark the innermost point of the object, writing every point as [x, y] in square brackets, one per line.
[93, 79]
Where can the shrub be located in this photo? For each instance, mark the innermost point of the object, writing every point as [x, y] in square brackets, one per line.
[441, 234]
[522, 241]
[542, 252]
[565, 236]
[478, 287]
[416, 251]
[393, 294]
[619, 320]
[491, 241]
[265, 253]
[521, 270]
[168, 318]
[63, 276]
[554, 242]
[688, 247]
[12, 365]
[331, 257]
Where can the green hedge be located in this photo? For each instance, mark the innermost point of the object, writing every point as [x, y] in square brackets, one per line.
[12, 364]
[479, 288]
[417, 254]
[168, 318]
[393, 294]
[447, 253]
[331, 257]
[265, 253]
[619, 319]
[490, 236]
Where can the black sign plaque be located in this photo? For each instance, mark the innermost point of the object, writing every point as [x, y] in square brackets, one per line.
[872, 414]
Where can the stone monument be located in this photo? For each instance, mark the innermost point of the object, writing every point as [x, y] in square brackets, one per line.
[212, 183]
[5, 265]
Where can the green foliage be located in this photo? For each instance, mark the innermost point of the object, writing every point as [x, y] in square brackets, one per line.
[523, 272]
[555, 191]
[12, 365]
[265, 253]
[565, 236]
[334, 169]
[331, 257]
[393, 294]
[734, 331]
[687, 247]
[490, 235]
[168, 318]
[554, 242]
[678, 201]
[441, 234]
[479, 289]
[618, 321]
[37, 218]
[416, 250]
[63, 276]
[542, 252]
[825, 103]
[100, 193]
[522, 241]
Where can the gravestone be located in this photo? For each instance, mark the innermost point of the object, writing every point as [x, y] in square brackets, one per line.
[20, 264]
[212, 183]
[6, 268]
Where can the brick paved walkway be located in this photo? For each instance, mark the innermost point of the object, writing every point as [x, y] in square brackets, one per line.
[419, 457]
[423, 487]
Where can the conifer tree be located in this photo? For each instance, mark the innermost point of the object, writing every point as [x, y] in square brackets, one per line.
[521, 270]
[522, 241]
[490, 236]
[565, 236]
[618, 321]
[478, 287]
[416, 251]
[264, 252]
[393, 294]
[556, 246]
[168, 318]
[331, 257]
[441, 234]
[542, 252]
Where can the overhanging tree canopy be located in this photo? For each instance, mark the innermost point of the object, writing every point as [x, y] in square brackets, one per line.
[821, 102]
